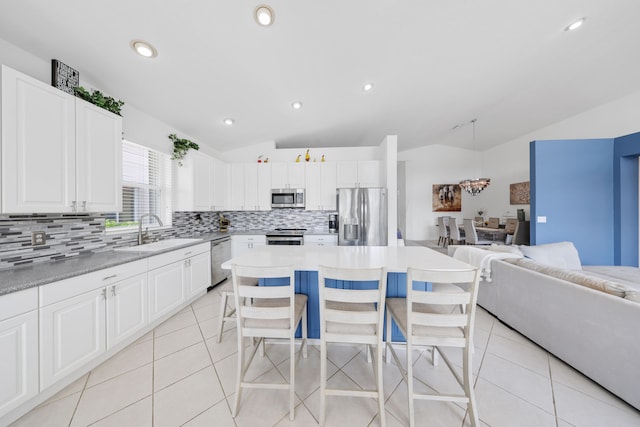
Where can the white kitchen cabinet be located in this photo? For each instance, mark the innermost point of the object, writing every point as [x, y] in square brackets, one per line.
[243, 243]
[72, 333]
[18, 348]
[288, 175]
[166, 290]
[321, 186]
[360, 173]
[59, 153]
[98, 159]
[127, 308]
[321, 240]
[192, 183]
[197, 274]
[219, 185]
[78, 313]
[250, 186]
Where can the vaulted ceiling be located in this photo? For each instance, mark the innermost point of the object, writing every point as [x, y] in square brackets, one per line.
[433, 64]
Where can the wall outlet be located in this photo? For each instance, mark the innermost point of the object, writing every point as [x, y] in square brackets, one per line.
[38, 238]
[542, 220]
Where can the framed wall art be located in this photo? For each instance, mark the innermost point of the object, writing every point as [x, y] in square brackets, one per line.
[519, 193]
[446, 198]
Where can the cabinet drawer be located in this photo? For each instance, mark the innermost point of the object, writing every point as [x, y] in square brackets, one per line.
[73, 286]
[321, 239]
[17, 303]
[177, 255]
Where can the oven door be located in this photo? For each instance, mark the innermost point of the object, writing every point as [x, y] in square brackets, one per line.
[284, 240]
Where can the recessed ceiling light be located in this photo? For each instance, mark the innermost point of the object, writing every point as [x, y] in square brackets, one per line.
[297, 105]
[144, 49]
[264, 15]
[228, 122]
[367, 87]
[575, 25]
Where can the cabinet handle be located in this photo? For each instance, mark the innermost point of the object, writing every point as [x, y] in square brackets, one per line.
[73, 206]
[84, 206]
[187, 253]
[104, 293]
[113, 291]
[109, 277]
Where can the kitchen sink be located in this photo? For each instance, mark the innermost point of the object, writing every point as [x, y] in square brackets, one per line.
[160, 245]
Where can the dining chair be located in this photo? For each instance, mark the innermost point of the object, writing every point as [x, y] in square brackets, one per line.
[455, 236]
[443, 231]
[226, 293]
[354, 316]
[471, 236]
[273, 312]
[433, 318]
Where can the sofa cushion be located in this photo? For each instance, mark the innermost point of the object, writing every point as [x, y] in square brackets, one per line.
[633, 296]
[561, 255]
[577, 277]
[505, 248]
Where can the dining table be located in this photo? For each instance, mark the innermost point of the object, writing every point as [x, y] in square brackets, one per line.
[496, 234]
[306, 261]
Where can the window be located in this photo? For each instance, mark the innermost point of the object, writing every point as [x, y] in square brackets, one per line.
[146, 187]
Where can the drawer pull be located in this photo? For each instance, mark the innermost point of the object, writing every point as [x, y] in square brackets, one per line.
[110, 277]
[187, 253]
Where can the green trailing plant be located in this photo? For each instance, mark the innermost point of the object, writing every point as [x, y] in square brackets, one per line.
[97, 98]
[181, 147]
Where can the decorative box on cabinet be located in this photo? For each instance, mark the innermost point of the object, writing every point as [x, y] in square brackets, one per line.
[59, 153]
[18, 348]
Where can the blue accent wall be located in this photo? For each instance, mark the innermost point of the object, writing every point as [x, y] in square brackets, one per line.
[626, 152]
[572, 184]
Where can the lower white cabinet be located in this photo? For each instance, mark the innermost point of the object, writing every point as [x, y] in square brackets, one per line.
[198, 274]
[321, 240]
[165, 289]
[18, 348]
[72, 333]
[127, 308]
[243, 243]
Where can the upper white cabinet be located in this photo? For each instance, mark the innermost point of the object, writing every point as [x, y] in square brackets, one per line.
[250, 187]
[360, 173]
[59, 153]
[288, 175]
[219, 196]
[192, 183]
[18, 348]
[321, 186]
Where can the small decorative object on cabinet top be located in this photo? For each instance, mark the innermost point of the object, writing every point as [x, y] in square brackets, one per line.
[180, 147]
[64, 77]
[260, 158]
[322, 159]
[307, 157]
[98, 99]
[298, 158]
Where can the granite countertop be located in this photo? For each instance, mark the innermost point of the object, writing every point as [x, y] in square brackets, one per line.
[25, 277]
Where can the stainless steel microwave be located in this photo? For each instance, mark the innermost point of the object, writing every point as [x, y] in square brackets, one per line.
[287, 198]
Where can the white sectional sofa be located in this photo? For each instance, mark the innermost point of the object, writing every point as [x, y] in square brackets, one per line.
[587, 316]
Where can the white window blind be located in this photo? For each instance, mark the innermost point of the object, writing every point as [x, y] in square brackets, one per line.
[146, 187]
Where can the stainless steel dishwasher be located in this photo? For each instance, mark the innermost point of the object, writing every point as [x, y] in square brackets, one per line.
[220, 252]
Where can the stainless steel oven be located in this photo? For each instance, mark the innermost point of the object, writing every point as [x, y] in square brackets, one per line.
[287, 198]
[286, 236]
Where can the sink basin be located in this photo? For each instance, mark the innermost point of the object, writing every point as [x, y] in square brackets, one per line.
[159, 245]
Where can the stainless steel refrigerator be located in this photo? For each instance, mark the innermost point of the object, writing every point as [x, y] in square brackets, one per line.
[362, 216]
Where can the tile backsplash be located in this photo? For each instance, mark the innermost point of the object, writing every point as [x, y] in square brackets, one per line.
[75, 234]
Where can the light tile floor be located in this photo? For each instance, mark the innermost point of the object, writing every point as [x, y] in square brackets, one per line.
[178, 375]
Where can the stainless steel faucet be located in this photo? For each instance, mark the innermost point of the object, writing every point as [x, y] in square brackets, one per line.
[141, 236]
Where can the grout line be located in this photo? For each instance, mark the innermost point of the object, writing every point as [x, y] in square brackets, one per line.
[75, 410]
[153, 377]
[553, 393]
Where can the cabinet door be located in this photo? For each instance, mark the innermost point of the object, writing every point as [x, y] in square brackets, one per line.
[347, 174]
[98, 159]
[38, 146]
[264, 186]
[296, 175]
[279, 175]
[219, 185]
[328, 198]
[198, 274]
[19, 356]
[313, 189]
[166, 290]
[72, 333]
[236, 187]
[127, 308]
[242, 244]
[201, 182]
[369, 173]
[250, 187]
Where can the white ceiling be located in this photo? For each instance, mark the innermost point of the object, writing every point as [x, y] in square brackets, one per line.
[435, 64]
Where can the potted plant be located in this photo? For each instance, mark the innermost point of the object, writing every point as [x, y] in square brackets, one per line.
[97, 98]
[181, 147]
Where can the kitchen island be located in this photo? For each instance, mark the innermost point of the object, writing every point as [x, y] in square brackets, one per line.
[306, 259]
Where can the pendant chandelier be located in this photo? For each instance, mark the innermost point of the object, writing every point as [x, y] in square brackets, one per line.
[476, 185]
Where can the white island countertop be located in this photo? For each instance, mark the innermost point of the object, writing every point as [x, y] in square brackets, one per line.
[307, 258]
